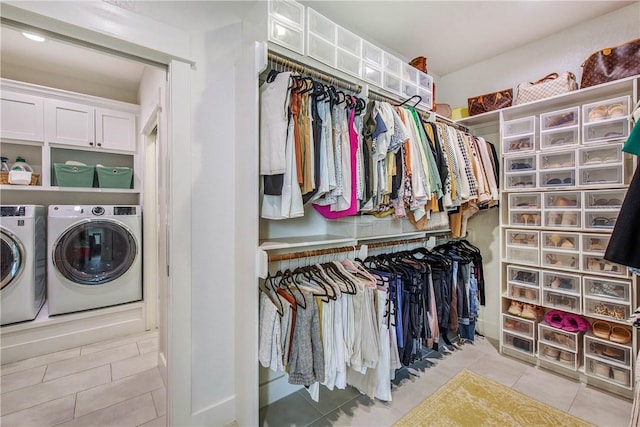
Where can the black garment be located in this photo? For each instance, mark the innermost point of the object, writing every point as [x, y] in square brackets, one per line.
[273, 184]
[494, 160]
[624, 246]
[368, 128]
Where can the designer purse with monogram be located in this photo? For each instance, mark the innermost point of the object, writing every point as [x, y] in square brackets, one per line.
[612, 63]
[550, 85]
[490, 102]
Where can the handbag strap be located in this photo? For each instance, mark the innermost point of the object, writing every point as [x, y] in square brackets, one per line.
[547, 77]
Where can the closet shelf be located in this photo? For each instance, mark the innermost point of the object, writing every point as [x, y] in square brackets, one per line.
[305, 241]
[40, 188]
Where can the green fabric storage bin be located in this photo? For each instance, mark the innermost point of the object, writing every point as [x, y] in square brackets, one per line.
[114, 177]
[73, 175]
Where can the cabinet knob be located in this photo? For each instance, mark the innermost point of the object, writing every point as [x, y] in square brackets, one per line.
[99, 144]
[91, 144]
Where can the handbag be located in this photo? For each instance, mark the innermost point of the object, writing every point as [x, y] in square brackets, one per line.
[548, 86]
[611, 63]
[490, 102]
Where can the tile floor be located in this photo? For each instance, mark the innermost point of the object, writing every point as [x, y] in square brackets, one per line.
[117, 383]
[350, 408]
[111, 383]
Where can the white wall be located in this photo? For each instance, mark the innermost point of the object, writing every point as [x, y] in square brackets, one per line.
[563, 51]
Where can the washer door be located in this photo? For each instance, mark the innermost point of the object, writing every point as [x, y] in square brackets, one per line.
[95, 252]
[12, 254]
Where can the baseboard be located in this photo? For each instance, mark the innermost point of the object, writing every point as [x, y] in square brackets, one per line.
[50, 334]
[276, 389]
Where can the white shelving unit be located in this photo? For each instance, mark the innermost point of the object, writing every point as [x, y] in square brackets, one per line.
[565, 178]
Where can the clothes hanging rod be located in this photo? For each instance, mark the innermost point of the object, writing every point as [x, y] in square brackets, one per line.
[446, 235]
[294, 65]
[316, 252]
[425, 115]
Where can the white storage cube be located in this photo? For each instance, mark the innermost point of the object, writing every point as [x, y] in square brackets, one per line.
[597, 264]
[426, 98]
[559, 119]
[608, 175]
[288, 11]
[530, 218]
[372, 74]
[372, 54]
[286, 35]
[523, 275]
[595, 243]
[409, 73]
[561, 282]
[392, 64]
[516, 144]
[605, 288]
[556, 160]
[322, 27]
[563, 200]
[391, 83]
[526, 238]
[518, 343]
[562, 219]
[555, 240]
[322, 50]
[523, 293]
[606, 110]
[425, 81]
[560, 139]
[560, 260]
[616, 130]
[364, 226]
[518, 325]
[600, 155]
[348, 63]
[558, 178]
[604, 199]
[561, 301]
[605, 309]
[522, 255]
[607, 351]
[523, 201]
[564, 358]
[349, 42]
[520, 181]
[602, 220]
[519, 126]
[409, 89]
[608, 372]
[520, 163]
[559, 338]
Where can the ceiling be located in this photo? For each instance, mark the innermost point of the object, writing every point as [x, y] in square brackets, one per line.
[451, 34]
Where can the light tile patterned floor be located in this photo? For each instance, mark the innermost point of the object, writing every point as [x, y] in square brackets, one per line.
[111, 383]
[117, 383]
[349, 408]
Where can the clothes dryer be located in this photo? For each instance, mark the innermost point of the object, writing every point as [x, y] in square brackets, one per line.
[95, 256]
[23, 240]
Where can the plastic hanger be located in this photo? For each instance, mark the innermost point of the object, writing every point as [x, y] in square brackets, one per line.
[418, 97]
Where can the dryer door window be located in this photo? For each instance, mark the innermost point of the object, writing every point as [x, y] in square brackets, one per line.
[12, 254]
[95, 252]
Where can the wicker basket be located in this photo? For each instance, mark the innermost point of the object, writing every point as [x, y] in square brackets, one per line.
[4, 178]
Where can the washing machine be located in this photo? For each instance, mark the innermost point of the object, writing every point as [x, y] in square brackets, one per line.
[94, 256]
[23, 251]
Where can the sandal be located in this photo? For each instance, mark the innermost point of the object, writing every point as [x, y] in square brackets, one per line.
[529, 312]
[598, 113]
[601, 329]
[554, 240]
[620, 335]
[615, 110]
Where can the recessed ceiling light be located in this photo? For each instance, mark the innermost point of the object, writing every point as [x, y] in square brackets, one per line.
[34, 37]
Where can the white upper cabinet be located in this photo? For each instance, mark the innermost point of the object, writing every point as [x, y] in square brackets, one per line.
[115, 130]
[84, 126]
[21, 116]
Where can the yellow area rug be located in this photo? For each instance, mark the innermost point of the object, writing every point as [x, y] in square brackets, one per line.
[471, 400]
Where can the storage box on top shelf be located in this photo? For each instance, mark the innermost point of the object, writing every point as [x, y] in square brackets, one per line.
[606, 120]
[365, 226]
[524, 126]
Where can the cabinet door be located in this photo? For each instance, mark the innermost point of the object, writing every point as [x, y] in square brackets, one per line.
[69, 123]
[115, 130]
[21, 116]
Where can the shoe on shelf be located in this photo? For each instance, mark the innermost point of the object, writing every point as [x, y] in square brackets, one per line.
[515, 308]
[620, 335]
[601, 329]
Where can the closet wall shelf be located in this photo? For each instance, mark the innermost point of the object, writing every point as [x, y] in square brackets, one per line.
[305, 241]
[40, 188]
